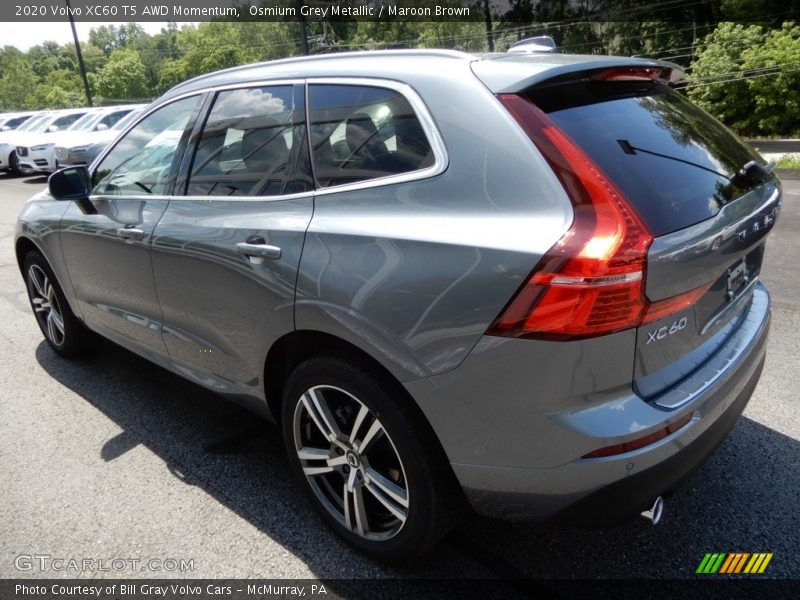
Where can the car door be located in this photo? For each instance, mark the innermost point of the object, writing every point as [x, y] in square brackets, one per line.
[225, 255]
[106, 240]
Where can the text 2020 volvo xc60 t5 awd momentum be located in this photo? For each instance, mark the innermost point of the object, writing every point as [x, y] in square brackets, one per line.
[522, 282]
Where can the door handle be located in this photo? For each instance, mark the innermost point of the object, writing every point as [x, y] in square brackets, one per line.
[258, 250]
[130, 233]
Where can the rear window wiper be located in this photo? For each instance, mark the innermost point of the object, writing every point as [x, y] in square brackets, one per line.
[629, 148]
[751, 172]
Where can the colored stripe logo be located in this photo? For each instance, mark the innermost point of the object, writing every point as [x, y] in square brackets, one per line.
[735, 562]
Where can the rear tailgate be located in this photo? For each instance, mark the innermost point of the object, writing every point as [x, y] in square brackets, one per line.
[677, 166]
[725, 251]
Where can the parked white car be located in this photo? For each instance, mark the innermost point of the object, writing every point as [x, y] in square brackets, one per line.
[29, 134]
[8, 154]
[12, 120]
[40, 155]
[80, 147]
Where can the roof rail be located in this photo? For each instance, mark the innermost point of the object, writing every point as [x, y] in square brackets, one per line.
[541, 43]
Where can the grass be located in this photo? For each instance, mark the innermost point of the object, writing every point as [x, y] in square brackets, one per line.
[789, 161]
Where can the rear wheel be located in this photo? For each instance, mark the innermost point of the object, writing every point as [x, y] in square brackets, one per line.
[60, 327]
[370, 466]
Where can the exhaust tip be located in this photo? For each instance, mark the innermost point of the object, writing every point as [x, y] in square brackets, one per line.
[654, 513]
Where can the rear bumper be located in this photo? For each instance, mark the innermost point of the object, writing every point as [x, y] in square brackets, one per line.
[627, 497]
[556, 482]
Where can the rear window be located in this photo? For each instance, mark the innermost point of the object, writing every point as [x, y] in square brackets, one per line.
[670, 159]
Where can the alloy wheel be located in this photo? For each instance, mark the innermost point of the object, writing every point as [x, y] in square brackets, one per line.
[350, 462]
[46, 305]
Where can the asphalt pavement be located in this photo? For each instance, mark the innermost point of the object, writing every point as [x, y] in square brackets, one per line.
[112, 457]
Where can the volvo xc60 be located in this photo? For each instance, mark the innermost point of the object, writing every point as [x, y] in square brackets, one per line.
[522, 282]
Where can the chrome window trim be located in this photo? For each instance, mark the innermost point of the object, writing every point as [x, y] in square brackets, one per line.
[441, 156]
[209, 199]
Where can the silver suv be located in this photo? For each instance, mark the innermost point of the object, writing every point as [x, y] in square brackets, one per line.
[525, 283]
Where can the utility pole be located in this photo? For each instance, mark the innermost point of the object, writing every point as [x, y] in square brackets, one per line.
[301, 24]
[487, 13]
[80, 56]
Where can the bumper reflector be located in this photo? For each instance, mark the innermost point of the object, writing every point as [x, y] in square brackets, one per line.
[641, 442]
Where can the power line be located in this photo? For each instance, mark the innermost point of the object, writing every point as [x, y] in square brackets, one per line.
[733, 76]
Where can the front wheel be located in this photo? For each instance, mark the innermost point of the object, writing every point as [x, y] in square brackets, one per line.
[60, 327]
[369, 462]
[13, 164]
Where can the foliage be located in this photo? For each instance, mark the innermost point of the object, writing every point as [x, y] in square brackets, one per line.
[750, 78]
[775, 83]
[789, 161]
[721, 60]
[122, 77]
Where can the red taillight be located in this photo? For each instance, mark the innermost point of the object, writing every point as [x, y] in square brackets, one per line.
[642, 441]
[664, 308]
[592, 282]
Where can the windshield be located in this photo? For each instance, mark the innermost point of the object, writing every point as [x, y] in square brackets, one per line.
[64, 121]
[86, 122]
[127, 120]
[15, 122]
[34, 123]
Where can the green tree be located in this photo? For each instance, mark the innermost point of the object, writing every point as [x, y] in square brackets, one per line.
[111, 37]
[715, 82]
[155, 51]
[16, 78]
[123, 77]
[60, 89]
[218, 45]
[774, 84]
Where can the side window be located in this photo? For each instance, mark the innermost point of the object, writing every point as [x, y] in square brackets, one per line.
[253, 144]
[360, 133]
[141, 162]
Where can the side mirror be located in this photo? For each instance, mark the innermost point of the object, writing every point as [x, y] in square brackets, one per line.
[101, 127]
[73, 183]
[5, 128]
[52, 128]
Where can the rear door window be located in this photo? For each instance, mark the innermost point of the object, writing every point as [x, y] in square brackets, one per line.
[672, 160]
[253, 143]
[360, 133]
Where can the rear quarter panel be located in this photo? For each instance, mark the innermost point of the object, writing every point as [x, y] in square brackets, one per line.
[415, 272]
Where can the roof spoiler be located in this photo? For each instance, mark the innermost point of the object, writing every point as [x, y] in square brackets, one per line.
[513, 73]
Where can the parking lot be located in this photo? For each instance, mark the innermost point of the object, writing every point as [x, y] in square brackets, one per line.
[113, 457]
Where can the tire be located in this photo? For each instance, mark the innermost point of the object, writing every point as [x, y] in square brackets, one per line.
[13, 164]
[61, 328]
[401, 495]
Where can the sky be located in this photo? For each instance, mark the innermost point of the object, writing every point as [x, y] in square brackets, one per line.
[25, 35]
